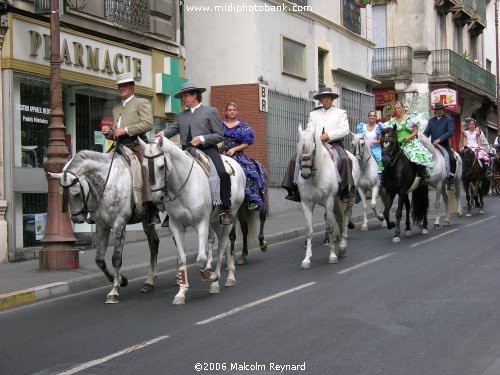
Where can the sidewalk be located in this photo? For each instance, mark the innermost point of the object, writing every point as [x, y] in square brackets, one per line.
[23, 282]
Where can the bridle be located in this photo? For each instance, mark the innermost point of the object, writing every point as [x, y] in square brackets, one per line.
[359, 151]
[470, 151]
[307, 160]
[85, 208]
[393, 158]
[152, 176]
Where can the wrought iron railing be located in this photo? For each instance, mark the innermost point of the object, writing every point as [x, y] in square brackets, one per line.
[130, 14]
[448, 63]
[392, 61]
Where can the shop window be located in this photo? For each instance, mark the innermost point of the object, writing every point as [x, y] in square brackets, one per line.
[89, 112]
[293, 58]
[34, 218]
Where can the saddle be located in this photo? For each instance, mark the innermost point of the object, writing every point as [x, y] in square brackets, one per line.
[204, 161]
[133, 165]
[446, 157]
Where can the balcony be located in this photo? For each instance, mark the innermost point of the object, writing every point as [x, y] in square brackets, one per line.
[448, 66]
[478, 21]
[392, 63]
[129, 14]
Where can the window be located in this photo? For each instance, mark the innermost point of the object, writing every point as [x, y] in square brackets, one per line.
[488, 65]
[458, 41]
[34, 208]
[351, 16]
[293, 58]
[321, 67]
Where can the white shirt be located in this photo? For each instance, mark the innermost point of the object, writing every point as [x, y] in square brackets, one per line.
[194, 108]
[332, 120]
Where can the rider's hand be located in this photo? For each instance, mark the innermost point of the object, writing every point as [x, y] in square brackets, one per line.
[105, 129]
[437, 141]
[160, 134]
[230, 152]
[196, 141]
[324, 137]
[119, 132]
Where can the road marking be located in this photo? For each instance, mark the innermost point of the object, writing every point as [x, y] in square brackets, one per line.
[480, 221]
[96, 362]
[433, 238]
[365, 263]
[254, 303]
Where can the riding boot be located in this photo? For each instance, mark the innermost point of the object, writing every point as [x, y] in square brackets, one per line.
[293, 195]
[152, 213]
[225, 215]
[422, 173]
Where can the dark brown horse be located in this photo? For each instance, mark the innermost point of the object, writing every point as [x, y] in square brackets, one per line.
[474, 180]
[399, 178]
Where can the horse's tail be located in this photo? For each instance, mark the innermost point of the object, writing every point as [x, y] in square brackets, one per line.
[420, 203]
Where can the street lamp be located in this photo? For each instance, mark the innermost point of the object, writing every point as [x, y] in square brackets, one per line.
[58, 241]
[4, 252]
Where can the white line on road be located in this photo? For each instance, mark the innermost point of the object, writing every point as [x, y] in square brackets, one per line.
[433, 238]
[254, 303]
[96, 362]
[480, 221]
[365, 263]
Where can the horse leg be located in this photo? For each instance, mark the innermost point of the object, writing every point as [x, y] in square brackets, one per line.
[399, 215]
[330, 229]
[437, 205]
[224, 245]
[373, 202]
[444, 194]
[232, 238]
[182, 277]
[467, 198]
[306, 262]
[407, 222]
[458, 194]
[153, 242]
[346, 222]
[387, 211]
[262, 218]
[362, 195]
[116, 260]
[244, 232]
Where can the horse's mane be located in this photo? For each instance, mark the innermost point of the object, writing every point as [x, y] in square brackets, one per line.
[426, 142]
[306, 142]
[87, 155]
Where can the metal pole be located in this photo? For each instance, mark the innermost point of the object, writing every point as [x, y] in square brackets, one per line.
[58, 241]
[498, 67]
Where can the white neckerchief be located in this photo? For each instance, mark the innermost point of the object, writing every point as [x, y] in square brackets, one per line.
[124, 102]
[326, 110]
[194, 108]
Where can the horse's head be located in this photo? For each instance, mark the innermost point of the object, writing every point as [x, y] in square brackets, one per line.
[390, 145]
[469, 160]
[359, 146]
[306, 149]
[76, 193]
[157, 162]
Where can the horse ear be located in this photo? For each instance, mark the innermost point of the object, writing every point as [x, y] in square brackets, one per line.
[300, 130]
[55, 175]
[160, 143]
[142, 143]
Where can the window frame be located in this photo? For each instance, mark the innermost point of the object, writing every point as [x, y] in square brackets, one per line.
[304, 59]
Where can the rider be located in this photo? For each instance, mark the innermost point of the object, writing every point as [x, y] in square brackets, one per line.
[471, 138]
[407, 132]
[200, 126]
[133, 119]
[372, 135]
[440, 128]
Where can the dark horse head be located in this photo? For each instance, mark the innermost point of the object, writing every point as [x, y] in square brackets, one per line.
[390, 147]
[471, 169]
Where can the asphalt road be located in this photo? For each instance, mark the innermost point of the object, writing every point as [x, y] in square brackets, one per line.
[428, 305]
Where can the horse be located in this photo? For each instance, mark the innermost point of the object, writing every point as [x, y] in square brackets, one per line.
[246, 218]
[368, 177]
[439, 182]
[100, 185]
[318, 184]
[179, 182]
[472, 179]
[400, 178]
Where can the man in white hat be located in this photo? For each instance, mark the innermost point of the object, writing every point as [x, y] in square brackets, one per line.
[200, 126]
[133, 118]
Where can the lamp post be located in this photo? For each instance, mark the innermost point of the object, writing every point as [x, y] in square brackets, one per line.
[58, 241]
[4, 252]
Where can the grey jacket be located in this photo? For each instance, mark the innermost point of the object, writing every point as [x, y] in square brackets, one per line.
[203, 121]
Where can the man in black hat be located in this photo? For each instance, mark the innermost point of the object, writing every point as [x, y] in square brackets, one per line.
[440, 128]
[200, 126]
[331, 125]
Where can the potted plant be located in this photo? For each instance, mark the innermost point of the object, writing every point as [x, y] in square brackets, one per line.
[362, 3]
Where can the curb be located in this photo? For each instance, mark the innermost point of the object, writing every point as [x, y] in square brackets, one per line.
[98, 280]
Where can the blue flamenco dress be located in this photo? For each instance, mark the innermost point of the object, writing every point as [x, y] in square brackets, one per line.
[375, 148]
[255, 189]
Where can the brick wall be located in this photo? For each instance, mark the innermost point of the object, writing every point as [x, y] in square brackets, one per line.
[246, 97]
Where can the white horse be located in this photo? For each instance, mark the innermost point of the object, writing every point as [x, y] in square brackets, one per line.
[180, 183]
[100, 185]
[368, 177]
[439, 182]
[318, 184]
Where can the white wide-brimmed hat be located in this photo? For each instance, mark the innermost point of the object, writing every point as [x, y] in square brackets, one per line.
[124, 78]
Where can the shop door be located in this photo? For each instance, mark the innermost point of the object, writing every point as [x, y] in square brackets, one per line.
[89, 110]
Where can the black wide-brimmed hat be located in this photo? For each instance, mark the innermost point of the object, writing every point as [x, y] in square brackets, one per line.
[189, 87]
[439, 105]
[326, 91]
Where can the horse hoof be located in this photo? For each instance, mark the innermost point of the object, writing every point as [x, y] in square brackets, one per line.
[342, 252]
[112, 299]
[124, 282]
[468, 214]
[460, 214]
[437, 226]
[351, 225]
[481, 211]
[424, 231]
[263, 247]
[147, 288]
[396, 239]
[305, 265]
[230, 283]
[380, 218]
[179, 301]
[408, 233]
[214, 289]
[213, 277]
[326, 242]
[364, 228]
[333, 260]
[446, 222]
[241, 260]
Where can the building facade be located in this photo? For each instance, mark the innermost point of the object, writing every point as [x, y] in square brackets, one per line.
[270, 57]
[98, 41]
[442, 50]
